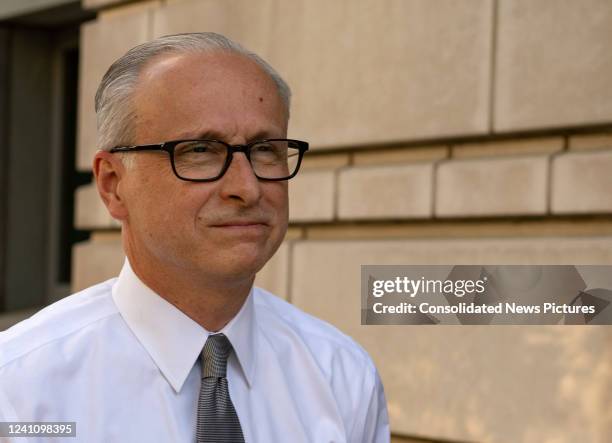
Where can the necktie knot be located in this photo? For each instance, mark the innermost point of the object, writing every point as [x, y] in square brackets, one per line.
[214, 356]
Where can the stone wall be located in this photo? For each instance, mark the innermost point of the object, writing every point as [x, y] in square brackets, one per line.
[454, 131]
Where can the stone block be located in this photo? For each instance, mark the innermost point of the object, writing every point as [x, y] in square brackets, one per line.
[471, 383]
[311, 196]
[102, 42]
[316, 161]
[552, 64]
[96, 260]
[582, 183]
[546, 145]
[403, 191]
[90, 212]
[363, 72]
[590, 141]
[403, 155]
[249, 23]
[492, 187]
[274, 276]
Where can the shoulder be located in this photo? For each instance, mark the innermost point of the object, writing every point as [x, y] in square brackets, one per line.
[301, 340]
[57, 322]
[332, 348]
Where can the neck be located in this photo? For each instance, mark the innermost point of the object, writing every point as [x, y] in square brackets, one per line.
[211, 303]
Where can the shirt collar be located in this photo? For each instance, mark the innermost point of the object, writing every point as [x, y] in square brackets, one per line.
[172, 339]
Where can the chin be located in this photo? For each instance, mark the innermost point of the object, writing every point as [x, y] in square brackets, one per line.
[244, 265]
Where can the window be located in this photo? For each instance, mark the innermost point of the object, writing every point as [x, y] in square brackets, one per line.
[39, 59]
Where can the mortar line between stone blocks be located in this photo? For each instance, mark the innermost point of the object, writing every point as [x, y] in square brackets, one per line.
[434, 181]
[336, 195]
[550, 182]
[493, 65]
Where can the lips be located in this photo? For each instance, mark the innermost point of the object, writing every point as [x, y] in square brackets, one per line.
[243, 229]
[239, 223]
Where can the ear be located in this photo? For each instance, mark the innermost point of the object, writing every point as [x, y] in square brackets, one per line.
[109, 172]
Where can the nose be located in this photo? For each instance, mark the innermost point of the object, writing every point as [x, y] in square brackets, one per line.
[239, 182]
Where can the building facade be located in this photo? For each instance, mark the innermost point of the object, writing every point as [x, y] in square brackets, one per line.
[442, 132]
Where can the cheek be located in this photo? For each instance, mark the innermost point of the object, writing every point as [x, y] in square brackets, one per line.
[280, 203]
[276, 196]
[168, 224]
[163, 203]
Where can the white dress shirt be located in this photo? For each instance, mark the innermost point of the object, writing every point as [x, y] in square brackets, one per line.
[122, 363]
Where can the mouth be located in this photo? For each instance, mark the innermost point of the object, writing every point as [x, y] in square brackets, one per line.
[239, 224]
[241, 227]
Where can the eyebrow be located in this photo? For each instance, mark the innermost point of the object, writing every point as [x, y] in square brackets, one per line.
[211, 134]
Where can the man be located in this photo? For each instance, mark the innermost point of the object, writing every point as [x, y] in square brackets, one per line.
[194, 162]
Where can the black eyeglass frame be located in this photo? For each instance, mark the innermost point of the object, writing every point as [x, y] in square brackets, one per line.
[169, 147]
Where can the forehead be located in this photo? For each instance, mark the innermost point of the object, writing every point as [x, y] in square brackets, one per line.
[182, 94]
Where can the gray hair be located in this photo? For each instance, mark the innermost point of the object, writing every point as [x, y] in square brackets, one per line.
[114, 111]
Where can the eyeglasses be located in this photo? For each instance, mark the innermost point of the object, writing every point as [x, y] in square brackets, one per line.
[207, 160]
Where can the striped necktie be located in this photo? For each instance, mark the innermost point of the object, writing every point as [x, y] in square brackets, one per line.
[217, 418]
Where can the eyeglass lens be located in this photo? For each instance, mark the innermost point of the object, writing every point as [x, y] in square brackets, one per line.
[200, 159]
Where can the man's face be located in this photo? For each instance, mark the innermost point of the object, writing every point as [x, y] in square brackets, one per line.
[222, 230]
